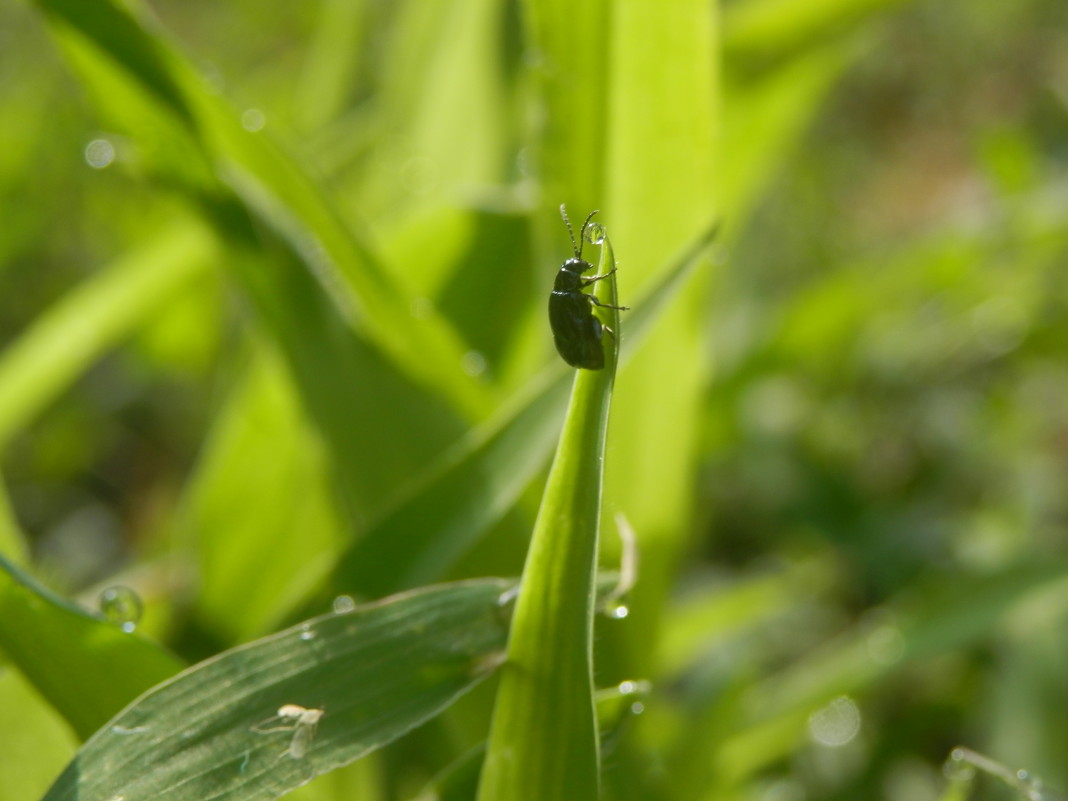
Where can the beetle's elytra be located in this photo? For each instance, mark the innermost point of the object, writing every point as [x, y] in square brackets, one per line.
[576, 330]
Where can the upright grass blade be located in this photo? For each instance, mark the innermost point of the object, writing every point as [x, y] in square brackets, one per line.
[662, 189]
[568, 43]
[462, 495]
[543, 740]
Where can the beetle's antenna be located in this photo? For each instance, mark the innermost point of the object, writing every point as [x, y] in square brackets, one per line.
[582, 233]
[575, 248]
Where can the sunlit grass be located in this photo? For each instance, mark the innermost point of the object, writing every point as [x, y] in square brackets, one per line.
[276, 345]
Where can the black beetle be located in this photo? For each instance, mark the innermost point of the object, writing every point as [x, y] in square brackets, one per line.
[576, 330]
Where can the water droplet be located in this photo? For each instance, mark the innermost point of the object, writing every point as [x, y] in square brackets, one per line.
[618, 612]
[122, 606]
[835, 724]
[344, 603]
[630, 687]
[1034, 788]
[99, 154]
[473, 363]
[957, 768]
[637, 708]
[306, 632]
[595, 233]
[253, 120]
[886, 645]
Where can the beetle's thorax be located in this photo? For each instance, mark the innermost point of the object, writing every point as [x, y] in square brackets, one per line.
[576, 265]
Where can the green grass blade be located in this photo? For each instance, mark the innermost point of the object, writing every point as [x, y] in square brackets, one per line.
[69, 337]
[13, 543]
[262, 476]
[663, 191]
[543, 741]
[342, 323]
[569, 42]
[86, 667]
[377, 671]
[943, 619]
[459, 781]
[361, 402]
[151, 76]
[465, 493]
[333, 62]
[39, 744]
[476, 482]
[770, 29]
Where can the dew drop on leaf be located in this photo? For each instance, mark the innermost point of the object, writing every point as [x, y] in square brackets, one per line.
[122, 606]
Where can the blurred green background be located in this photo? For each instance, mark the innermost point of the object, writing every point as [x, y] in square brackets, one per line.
[264, 268]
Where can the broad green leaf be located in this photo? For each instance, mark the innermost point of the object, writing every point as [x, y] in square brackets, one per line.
[543, 740]
[375, 672]
[86, 667]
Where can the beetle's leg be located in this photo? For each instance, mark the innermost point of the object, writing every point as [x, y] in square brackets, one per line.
[589, 279]
[596, 302]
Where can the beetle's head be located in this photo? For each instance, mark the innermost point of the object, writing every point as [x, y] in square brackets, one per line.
[576, 266]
